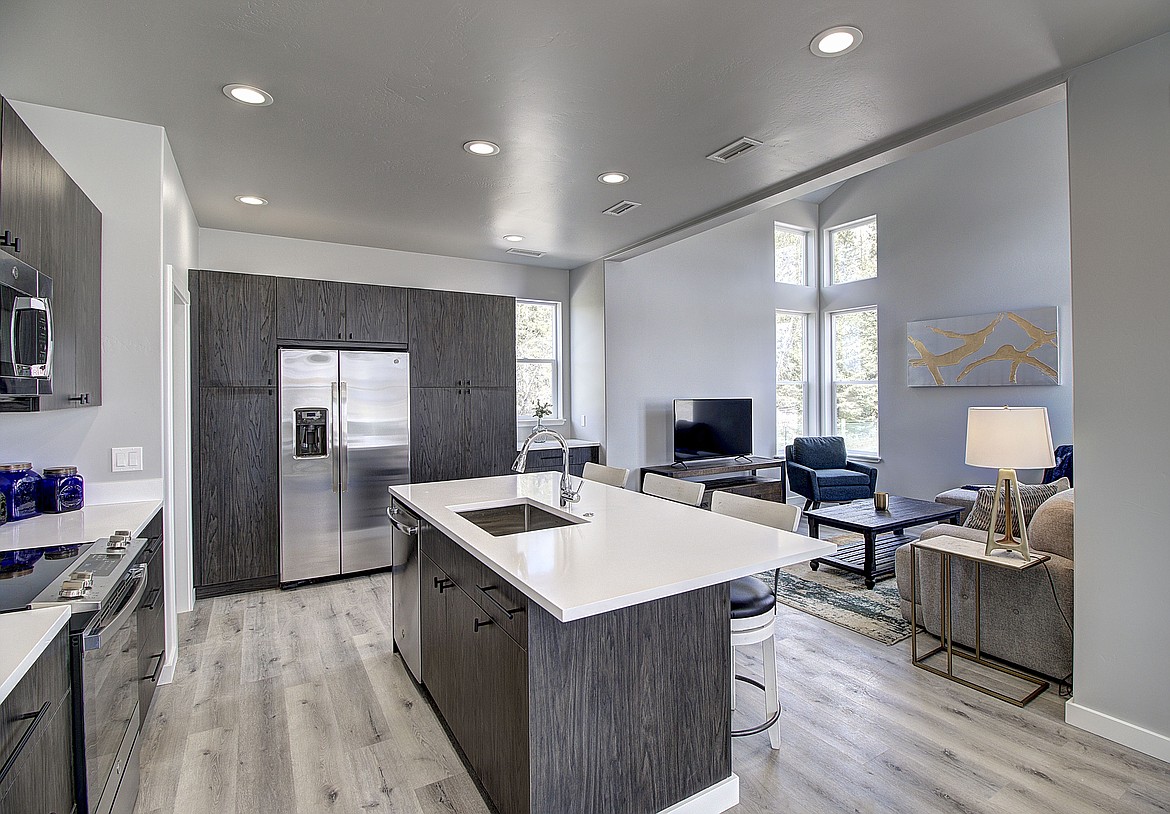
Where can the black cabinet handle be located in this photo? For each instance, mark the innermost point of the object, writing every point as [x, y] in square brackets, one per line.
[37, 717]
[487, 592]
[158, 663]
[443, 584]
[153, 600]
[8, 241]
[83, 398]
[479, 624]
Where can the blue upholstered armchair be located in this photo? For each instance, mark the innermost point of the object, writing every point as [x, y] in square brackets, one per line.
[818, 470]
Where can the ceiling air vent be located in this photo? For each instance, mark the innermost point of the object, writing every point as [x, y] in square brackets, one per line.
[734, 150]
[620, 208]
[525, 252]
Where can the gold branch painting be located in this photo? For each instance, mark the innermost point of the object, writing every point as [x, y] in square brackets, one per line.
[1010, 347]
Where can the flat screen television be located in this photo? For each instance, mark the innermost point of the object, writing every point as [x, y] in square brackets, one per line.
[712, 428]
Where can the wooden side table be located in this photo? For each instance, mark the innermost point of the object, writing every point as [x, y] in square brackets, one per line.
[948, 548]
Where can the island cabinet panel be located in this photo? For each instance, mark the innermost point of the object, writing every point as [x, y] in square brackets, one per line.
[236, 340]
[376, 314]
[462, 340]
[39, 777]
[310, 310]
[623, 711]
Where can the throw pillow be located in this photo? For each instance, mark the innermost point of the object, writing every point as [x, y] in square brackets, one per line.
[1031, 496]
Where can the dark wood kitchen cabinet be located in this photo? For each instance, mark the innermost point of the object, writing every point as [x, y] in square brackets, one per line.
[236, 339]
[461, 340]
[237, 540]
[39, 778]
[461, 432]
[151, 615]
[47, 221]
[328, 311]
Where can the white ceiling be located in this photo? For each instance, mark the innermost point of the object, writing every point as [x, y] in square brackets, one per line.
[374, 99]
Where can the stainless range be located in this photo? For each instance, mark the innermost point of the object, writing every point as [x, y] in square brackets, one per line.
[104, 587]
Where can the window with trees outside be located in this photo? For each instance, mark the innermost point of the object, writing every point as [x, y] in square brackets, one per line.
[791, 255]
[853, 339]
[791, 377]
[853, 251]
[538, 369]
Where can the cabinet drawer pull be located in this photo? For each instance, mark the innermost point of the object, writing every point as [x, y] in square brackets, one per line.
[443, 584]
[153, 600]
[487, 592]
[37, 717]
[479, 624]
[153, 677]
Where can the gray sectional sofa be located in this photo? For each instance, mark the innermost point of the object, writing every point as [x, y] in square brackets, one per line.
[1026, 619]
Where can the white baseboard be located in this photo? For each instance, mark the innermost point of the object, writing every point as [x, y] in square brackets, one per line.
[167, 674]
[711, 800]
[1123, 732]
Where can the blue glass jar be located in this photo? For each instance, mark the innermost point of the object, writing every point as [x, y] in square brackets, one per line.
[62, 490]
[21, 489]
[3, 509]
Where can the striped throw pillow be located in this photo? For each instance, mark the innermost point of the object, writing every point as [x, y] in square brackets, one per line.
[1031, 496]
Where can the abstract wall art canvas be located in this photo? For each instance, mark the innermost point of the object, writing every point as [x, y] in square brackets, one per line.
[1008, 347]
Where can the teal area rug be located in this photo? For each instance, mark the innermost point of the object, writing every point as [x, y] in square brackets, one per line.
[842, 598]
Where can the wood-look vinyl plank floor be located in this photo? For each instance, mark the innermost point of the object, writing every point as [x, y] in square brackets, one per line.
[292, 702]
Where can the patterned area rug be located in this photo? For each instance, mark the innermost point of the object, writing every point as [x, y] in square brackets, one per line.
[843, 599]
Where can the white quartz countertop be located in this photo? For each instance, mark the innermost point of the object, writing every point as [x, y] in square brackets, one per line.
[84, 525]
[26, 634]
[572, 442]
[632, 548]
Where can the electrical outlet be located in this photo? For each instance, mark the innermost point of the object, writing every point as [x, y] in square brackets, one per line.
[126, 459]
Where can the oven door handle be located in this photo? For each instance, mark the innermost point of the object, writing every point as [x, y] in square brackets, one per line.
[91, 637]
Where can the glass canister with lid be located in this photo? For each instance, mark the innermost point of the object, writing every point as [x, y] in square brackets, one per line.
[62, 490]
[20, 486]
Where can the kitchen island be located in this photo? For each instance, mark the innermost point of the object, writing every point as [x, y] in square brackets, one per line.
[585, 668]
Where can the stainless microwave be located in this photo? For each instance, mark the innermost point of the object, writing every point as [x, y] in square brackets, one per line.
[26, 329]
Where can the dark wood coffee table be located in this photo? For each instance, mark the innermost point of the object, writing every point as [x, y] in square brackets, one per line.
[873, 557]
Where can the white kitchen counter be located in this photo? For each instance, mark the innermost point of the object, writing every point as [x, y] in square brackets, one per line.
[82, 526]
[25, 635]
[633, 548]
[572, 442]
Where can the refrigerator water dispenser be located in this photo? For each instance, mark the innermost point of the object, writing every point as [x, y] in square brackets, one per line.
[312, 433]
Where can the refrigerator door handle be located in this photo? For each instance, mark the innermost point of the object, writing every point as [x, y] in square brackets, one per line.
[343, 422]
[335, 432]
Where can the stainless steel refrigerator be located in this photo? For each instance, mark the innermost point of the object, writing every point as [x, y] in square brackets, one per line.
[344, 438]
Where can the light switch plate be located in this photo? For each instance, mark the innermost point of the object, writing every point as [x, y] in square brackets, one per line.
[126, 459]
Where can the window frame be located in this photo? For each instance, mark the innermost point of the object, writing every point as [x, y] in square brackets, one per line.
[828, 254]
[807, 234]
[806, 366]
[830, 382]
[557, 416]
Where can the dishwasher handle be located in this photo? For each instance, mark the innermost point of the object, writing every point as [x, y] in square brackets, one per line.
[411, 531]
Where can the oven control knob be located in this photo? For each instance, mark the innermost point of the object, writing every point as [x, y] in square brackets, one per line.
[118, 541]
[72, 589]
[84, 577]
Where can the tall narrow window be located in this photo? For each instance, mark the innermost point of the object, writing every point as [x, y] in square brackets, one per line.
[538, 342]
[791, 377]
[854, 387]
[791, 255]
[853, 251]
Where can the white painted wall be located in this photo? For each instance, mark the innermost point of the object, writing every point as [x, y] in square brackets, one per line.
[118, 164]
[695, 319]
[973, 226]
[1119, 121]
[587, 343]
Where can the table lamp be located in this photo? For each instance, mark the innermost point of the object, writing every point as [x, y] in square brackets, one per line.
[1009, 438]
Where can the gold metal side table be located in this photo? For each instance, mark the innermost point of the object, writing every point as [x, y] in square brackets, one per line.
[948, 548]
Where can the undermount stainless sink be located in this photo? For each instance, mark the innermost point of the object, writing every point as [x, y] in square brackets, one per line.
[516, 518]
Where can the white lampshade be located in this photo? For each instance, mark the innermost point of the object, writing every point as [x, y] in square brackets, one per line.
[1009, 438]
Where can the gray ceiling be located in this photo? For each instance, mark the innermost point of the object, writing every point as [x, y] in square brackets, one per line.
[374, 100]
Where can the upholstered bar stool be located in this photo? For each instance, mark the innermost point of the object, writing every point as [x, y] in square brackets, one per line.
[611, 475]
[753, 606]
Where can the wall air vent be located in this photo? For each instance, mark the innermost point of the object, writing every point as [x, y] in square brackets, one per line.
[734, 150]
[525, 252]
[620, 208]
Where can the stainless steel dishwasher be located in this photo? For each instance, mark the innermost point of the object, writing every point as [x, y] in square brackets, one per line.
[405, 587]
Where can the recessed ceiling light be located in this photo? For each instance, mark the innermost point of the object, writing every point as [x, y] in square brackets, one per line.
[613, 178]
[248, 95]
[513, 238]
[836, 41]
[481, 148]
[252, 200]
